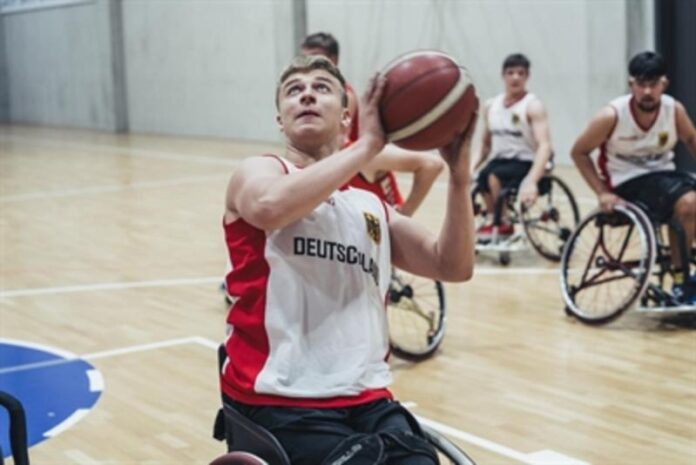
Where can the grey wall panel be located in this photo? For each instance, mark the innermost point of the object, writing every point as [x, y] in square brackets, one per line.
[59, 66]
[4, 78]
[577, 47]
[205, 67]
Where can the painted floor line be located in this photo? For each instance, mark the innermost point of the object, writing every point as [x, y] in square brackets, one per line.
[109, 188]
[128, 151]
[5, 294]
[76, 416]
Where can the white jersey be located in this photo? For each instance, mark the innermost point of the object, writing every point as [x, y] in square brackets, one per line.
[632, 150]
[511, 131]
[308, 320]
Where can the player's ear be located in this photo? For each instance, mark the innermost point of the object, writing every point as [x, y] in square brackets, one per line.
[665, 83]
[279, 122]
[345, 119]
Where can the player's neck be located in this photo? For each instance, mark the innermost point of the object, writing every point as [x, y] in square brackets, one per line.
[305, 156]
[645, 119]
[512, 97]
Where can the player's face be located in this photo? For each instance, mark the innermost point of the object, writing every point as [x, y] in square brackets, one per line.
[316, 51]
[647, 92]
[515, 78]
[309, 106]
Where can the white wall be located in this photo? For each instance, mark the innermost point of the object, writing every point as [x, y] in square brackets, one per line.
[59, 66]
[577, 47]
[4, 78]
[205, 67]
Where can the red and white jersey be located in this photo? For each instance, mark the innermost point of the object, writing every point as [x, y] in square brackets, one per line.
[632, 150]
[511, 130]
[308, 322]
[385, 188]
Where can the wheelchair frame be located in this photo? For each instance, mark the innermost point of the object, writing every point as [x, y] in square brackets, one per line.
[504, 246]
[649, 270]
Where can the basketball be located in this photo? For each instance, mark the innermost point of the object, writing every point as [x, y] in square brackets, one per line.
[238, 458]
[428, 99]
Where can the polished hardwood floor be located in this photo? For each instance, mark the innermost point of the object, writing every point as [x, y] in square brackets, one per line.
[111, 248]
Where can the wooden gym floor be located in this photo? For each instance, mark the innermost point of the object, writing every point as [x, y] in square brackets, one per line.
[111, 248]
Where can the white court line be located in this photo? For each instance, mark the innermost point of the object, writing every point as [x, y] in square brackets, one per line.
[76, 416]
[8, 294]
[128, 151]
[4, 294]
[109, 188]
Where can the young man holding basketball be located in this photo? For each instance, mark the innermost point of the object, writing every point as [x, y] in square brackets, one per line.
[516, 138]
[311, 261]
[378, 175]
[636, 134]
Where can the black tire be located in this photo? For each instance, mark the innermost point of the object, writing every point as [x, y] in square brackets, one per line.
[586, 277]
[446, 448]
[549, 222]
[416, 313]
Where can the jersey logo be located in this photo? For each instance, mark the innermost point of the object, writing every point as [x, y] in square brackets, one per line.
[662, 138]
[515, 118]
[373, 229]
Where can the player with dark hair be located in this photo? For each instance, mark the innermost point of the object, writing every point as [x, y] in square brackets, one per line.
[636, 134]
[516, 138]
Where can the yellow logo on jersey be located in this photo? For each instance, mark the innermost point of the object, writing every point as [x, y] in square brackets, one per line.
[515, 118]
[662, 138]
[373, 229]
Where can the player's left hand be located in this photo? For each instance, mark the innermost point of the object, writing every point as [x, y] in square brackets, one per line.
[528, 192]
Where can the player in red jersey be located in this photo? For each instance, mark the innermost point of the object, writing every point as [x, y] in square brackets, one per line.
[378, 176]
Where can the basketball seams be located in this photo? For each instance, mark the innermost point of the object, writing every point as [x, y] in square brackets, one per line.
[442, 107]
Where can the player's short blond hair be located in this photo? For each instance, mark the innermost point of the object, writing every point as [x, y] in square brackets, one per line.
[305, 64]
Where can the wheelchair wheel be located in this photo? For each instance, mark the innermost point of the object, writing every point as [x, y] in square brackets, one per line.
[448, 452]
[416, 313]
[549, 222]
[607, 264]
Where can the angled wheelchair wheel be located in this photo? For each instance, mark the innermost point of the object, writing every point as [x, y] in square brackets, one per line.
[448, 452]
[549, 222]
[416, 313]
[607, 264]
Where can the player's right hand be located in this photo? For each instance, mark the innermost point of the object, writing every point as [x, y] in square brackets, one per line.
[608, 200]
[370, 126]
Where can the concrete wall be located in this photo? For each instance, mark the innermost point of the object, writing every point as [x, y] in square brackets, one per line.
[58, 63]
[209, 67]
[205, 67]
[4, 78]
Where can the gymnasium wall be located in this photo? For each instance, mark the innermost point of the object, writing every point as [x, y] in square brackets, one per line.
[58, 62]
[4, 80]
[209, 67]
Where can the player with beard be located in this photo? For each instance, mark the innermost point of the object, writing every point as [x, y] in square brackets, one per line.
[636, 134]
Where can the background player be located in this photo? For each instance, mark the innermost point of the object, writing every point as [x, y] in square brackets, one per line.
[636, 134]
[516, 138]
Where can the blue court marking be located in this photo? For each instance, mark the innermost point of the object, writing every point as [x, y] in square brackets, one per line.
[52, 385]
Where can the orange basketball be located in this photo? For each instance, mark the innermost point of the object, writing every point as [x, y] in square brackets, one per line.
[428, 99]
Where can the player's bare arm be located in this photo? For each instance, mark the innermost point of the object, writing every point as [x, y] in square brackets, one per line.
[540, 128]
[486, 141]
[450, 256]
[595, 134]
[685, 128]
[424, 166]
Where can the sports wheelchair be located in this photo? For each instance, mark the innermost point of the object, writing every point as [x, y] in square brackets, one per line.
[546, 224]
[621, 260]
[416, 314]
[251, 444]
[17, 429]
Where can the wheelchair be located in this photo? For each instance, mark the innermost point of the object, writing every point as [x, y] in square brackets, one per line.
[617, 261]
[546, 224]
[416, 314]
[252, 444]
[17, 429]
